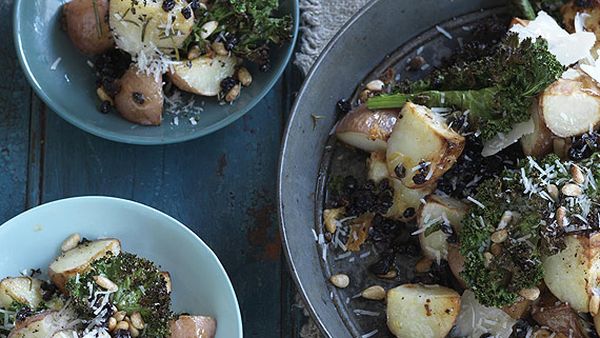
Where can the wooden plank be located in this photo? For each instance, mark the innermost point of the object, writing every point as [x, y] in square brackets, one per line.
[15, 104]
[222, 186]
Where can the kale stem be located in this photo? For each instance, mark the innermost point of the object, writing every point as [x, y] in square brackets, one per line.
[479, 102]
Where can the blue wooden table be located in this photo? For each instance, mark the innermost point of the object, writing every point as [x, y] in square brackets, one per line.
[222, 186]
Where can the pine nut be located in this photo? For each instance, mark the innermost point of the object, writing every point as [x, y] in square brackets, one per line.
[496, 249]
[423, 265]
[112, 323]
[137, 321]
[594, 304]
[577, 174]
[374, 292]
[507, 216]
[488, 257]
[561, 214]
[134, 332]
[219, 48]
[553, 191]
[530, 293]
[375, 85]
[340, 280]
[365, 95]
[120, 315]
[499, 236]
[122, 325]
[571, 190]
[194, 52]
[330, 219]
[70, 243]
[208, 28]
[389, 275]
[106, 283]
[244, 76]
[103, 96]
[233, 93]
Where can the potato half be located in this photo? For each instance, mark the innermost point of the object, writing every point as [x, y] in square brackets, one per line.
[141, 98]
[421, 137]
[43, 325]
[573, 274]
[439, 209]
[24, 290]
[415, 310]
[571, 106]
[366, 129]
[203, 75]
[142, 25]
[538, 143]
[77, 260]
[193, 326]
[87, 25]
[558, 316]
[407, 201]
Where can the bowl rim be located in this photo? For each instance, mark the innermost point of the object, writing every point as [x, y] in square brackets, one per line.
[13, 222]
[138, 140]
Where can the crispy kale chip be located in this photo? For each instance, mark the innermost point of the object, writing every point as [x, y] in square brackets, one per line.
[496, 90]
[141, 288]
[246, 28]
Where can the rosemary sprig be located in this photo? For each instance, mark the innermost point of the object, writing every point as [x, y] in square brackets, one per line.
[97, 14]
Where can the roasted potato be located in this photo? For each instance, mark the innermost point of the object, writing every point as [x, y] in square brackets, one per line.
[43, 325]
[140, 99]
[377, 168]
[203, 75]
[539, 143]
[407, 201]
[436, 210]
[24, 290]
[558, 317]
[570, 107]
[519, 309]
[489, 320]
[193, 326]
[366, 129]
[421, 147]
[77, 260]
[580, 261]
[87, 25]
[421, 310]
[143, 25]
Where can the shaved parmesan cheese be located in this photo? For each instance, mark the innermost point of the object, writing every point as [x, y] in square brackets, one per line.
[568, 48]
[579, 21]
[593, 70]
[502, 141]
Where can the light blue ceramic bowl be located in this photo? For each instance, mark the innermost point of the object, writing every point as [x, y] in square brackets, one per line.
[200, 284]
[70, 90]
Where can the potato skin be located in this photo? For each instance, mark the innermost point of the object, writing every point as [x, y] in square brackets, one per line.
[80, 19]
[580, 260]
[415, 310]
[558, 316]
[147, 111]
[191, 326]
